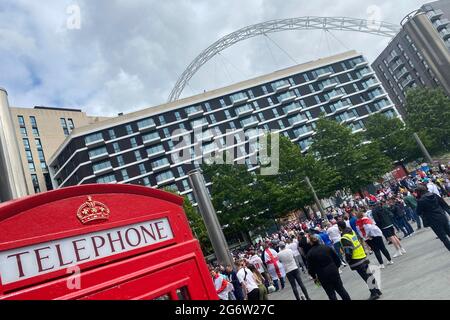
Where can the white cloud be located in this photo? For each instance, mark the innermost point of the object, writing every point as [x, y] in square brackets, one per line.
[129, 53]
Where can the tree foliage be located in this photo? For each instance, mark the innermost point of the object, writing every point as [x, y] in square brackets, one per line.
[357, 163]
[428, 114]
[395, 139]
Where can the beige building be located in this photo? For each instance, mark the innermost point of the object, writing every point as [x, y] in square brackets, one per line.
[40, 131]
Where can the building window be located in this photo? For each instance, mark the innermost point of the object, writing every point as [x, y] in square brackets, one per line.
[177, 115]
[166, 132]
[138, 155]
[35, 181]
[93, 137]
[101, 165]
[222, 103]
[281, 124]
[264, 89]
[129, 129]
[133, 142]
[142, 169]
[34, 126]
[164, 176]
[160, 162]
[250, 93]
[124, 174]
[116, 147]
[212, 118]
[71, 124]
[23, 129]
[275, 112]
[146, 182]
[208, 106]
[162, 120]
[64, 126]
[269, 99]
[180, 171]
[112, 134]
[120, 161]
[107, 179]
[227, 113]
[96, 152]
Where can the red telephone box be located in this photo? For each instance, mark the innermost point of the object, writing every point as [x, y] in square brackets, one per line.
[102, 241]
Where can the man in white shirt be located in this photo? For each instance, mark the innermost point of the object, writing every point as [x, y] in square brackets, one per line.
[293, 246]
[248, 282]
[292, 273]
[335, 236]
[274, 267]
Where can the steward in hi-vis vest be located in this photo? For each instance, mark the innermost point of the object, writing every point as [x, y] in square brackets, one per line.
[357, 259]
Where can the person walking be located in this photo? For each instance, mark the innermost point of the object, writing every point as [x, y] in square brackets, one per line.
[263, 292]
[335, 236]
[373, 237]
[222, 286]
[433, 210]
[357, 259]
[383, 219]
[293, 246]
[247, 281]
[397, 208]
[323, 267]
[274, 267]
[292, 272]
[237, 287]
[411, 202]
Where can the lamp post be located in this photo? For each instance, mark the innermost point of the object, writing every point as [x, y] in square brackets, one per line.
[209, 216]
[423, 149]
[316, 199]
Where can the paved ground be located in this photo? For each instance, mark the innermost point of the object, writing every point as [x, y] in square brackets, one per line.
[422, 273]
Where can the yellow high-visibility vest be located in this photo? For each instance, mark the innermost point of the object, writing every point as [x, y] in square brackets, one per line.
[358, 250]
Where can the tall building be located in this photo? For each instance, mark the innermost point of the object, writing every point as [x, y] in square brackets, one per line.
[40, 131]
[419, 55]
[139, 147]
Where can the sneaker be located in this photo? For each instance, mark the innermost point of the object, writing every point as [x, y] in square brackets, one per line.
[390, 262]
[374, 296]
[382, 266]
[398, 254]
[344, 264]
[403, 250]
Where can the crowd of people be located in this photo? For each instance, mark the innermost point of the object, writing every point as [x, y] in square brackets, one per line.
[320, 247]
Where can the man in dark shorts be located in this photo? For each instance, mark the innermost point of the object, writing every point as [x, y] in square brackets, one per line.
[382, 218]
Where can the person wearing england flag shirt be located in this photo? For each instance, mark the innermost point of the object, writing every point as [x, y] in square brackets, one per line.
[223, 287]
[274, 266]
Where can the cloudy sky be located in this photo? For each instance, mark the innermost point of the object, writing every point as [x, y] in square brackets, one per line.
[128, 54]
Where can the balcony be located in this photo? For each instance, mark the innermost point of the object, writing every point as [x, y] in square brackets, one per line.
[207, 135]
[292, 108]
[441, 24]
[360, 65]
[281, 86]
[199, 123]
[329, 85]
[146, 125]
[95, 143]
[286, 97]
[249, 122]
[434, 14]
[402, 74]
[151, 138]
[166, 181]
[445, 34]
[323, 75]
[406, 82]
[244, 110]
[160, 167]
[350, 119]
[155, 154]
[295, 121]
[238, 99]
[397, 64]
[193, 112]
[103, 170]
[392, 58]
[365, 75]
[335, 95]
[99, 156]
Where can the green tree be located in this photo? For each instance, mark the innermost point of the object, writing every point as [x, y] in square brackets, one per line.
[395, 139]
[357, 163]
[196, 223]
[428, 114]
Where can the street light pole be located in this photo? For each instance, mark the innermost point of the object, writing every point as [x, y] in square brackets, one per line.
[209, 216]
[423, 149]
[316, 199]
